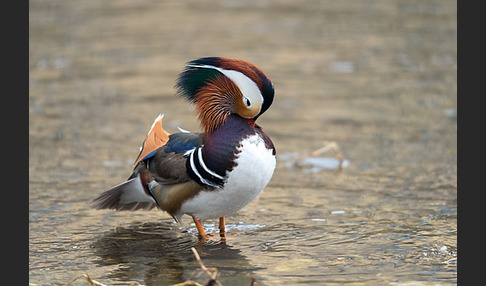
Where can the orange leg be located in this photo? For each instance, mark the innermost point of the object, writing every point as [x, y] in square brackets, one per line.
[222, 228]
[200, 228]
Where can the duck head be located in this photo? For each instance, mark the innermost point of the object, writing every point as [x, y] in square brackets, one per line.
[221, 86]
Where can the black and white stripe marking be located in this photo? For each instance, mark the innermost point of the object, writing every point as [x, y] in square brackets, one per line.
[198, 170]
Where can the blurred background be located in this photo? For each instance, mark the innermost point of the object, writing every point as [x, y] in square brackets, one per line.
[378, 78]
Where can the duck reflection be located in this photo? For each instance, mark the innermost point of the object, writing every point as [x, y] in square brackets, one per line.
[160, 254]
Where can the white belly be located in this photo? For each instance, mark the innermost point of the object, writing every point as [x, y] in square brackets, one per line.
[254, 169]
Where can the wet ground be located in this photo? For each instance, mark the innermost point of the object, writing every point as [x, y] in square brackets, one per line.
[376, 77]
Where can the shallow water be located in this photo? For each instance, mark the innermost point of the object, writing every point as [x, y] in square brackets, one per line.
[376, 77]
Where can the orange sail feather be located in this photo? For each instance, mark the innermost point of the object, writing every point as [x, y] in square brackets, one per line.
[156, 138]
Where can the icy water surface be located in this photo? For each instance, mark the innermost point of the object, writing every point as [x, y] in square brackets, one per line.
[376, 77]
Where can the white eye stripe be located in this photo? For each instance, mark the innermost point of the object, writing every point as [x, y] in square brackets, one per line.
[247, 86]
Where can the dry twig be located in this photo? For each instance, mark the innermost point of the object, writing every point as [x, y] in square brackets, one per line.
[205, 269]
[91, 281]
[96, 283]
[253, 282]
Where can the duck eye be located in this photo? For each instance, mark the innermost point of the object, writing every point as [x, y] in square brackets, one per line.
[247, 102]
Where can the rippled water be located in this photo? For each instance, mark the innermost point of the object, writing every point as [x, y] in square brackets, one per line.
[376, 77]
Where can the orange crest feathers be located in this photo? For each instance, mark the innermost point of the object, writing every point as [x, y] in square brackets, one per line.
[156, 138]
[215, 102]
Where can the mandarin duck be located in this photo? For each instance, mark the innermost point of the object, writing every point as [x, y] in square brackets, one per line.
[210, 174]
